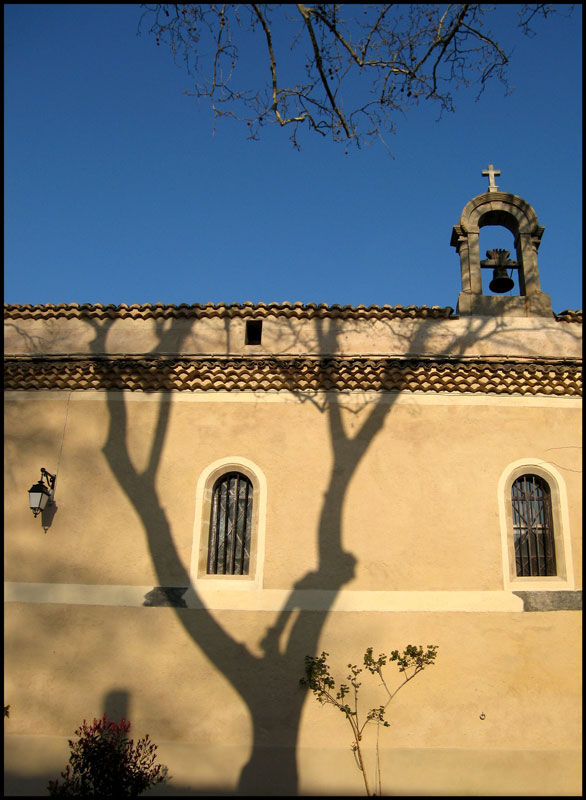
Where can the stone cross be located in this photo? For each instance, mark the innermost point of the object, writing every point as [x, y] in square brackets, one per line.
[491, 172]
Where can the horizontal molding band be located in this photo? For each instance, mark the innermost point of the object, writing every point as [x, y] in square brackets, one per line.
[324, 399]
[242, 599]
[148, 374]
[298, 358]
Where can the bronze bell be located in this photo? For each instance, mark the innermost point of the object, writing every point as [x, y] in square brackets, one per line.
[501, 282]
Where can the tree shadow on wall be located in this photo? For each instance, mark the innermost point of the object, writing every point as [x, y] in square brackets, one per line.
[267, 683]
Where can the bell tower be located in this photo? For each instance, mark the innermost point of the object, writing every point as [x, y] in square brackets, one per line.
[494, 208]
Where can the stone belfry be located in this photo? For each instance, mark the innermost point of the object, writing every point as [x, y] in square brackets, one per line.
[501, 209]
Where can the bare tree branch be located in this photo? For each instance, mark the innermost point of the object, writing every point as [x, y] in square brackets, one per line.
[275, 106]
[342, 70]
[318, 60]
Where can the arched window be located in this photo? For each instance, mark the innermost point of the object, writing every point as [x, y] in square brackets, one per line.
[534, 513]
[230, 525]
[533, 532]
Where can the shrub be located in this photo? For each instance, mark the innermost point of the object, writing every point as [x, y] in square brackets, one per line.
[318, 678]
[105, 762]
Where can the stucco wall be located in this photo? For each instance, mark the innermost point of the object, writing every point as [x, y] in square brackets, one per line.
[522, 336]
[521, 671]
[416, 490]
[419, 511]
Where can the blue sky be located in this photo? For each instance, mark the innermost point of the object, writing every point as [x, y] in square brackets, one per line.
[117, 190]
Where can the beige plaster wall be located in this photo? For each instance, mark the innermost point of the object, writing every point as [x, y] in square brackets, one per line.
[196, 770]
[418, 510]
[521, 671]
[496, 335]
[417, 498]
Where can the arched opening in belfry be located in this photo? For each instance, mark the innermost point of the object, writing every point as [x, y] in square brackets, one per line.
[507, 227]
[497, 237]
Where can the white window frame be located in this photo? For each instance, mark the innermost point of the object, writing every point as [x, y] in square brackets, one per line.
[201, 526]
[564, 580]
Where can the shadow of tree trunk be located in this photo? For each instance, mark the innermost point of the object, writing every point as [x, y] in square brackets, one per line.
[263, 681]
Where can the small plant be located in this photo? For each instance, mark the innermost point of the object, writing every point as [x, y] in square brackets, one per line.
[318, 678]
[105, 762]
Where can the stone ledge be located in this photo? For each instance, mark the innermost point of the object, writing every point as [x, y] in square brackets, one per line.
[551, 601]
[167, 596]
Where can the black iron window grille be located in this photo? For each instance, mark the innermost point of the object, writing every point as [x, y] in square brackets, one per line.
[230, 525]
[533, 527]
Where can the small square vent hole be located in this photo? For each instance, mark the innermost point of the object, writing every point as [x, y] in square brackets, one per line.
[253, 331]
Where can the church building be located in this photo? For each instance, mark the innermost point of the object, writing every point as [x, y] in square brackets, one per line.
[197, 497]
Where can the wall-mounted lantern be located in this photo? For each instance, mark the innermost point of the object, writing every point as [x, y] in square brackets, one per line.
[41, 493]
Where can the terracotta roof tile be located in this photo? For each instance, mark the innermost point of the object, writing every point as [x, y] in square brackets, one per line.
[569, 316]
[257, 310]
[147, 374]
